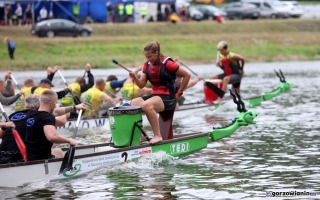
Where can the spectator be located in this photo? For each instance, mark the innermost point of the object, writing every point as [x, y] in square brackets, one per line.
[174, 18]
[28, 15]
[11, 47]
[8, 15]
[109, 11]
[121, 12]
[167, 12]
[89, 20]
[182, 13]
[43, 13]
[116, 13]
[19, 14]
[129, 12]
[143, 11]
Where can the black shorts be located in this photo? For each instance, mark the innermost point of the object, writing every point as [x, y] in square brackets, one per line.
[234, 78]
[168, 102]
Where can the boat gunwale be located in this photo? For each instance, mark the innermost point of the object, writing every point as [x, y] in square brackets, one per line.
[116, 150]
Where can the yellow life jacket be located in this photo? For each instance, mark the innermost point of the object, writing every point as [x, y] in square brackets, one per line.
[20, 103]
[40, 90]
[27, 91]
[93, 100]
[110, 89]
[130, 90]
[68, 99]
[76, 89]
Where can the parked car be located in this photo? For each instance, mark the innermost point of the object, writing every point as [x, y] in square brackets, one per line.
[280, 10]
[242, 10]
[264, 8]
[270, 9]
[60, 27]
[210, 12]
[195, 14]
[293, 8]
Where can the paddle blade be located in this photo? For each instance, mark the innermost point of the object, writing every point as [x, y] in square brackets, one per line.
[20, 144]
[64, 162]
[67, 160]
[215, 89]
[115, 61]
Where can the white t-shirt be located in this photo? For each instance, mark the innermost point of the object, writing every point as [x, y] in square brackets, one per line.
[43, 13]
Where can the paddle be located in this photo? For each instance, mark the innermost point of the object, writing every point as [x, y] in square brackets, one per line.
[68, 157]
[218, 54]
[117, 63]
[65, 82]
[19, 141]
[15, 82]
[210, 85]
[111, 93]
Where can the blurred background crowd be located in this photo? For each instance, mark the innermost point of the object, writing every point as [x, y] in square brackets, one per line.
[23, 12]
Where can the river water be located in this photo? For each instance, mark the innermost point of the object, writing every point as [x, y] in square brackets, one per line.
[281, 153]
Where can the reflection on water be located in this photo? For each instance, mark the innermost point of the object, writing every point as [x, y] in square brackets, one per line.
[278, 154]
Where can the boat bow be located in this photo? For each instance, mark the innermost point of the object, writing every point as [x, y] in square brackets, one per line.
[243, 118]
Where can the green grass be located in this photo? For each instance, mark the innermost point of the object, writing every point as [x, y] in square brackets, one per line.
[194, 42]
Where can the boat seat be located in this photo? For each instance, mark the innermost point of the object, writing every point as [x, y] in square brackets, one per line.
[165, 123]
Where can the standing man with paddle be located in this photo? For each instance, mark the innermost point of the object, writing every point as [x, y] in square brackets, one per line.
[161, 71]
[232, 65]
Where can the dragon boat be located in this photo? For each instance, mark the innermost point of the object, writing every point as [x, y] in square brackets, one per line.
[189, 108]
[126, 128]
[126, 145]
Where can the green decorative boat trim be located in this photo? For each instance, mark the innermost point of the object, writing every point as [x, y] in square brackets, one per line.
[254, 101]
[242, 119]
[283, 87]
[182, 146]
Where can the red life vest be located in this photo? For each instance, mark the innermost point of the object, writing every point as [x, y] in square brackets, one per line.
[162, 78]
[230, 65]
[226, 64]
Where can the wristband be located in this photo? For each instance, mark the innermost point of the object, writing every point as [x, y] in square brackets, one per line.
[180, 92]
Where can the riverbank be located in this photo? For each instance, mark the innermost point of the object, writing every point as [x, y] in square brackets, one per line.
[194, 42]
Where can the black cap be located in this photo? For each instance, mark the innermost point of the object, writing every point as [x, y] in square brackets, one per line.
[47, 81]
